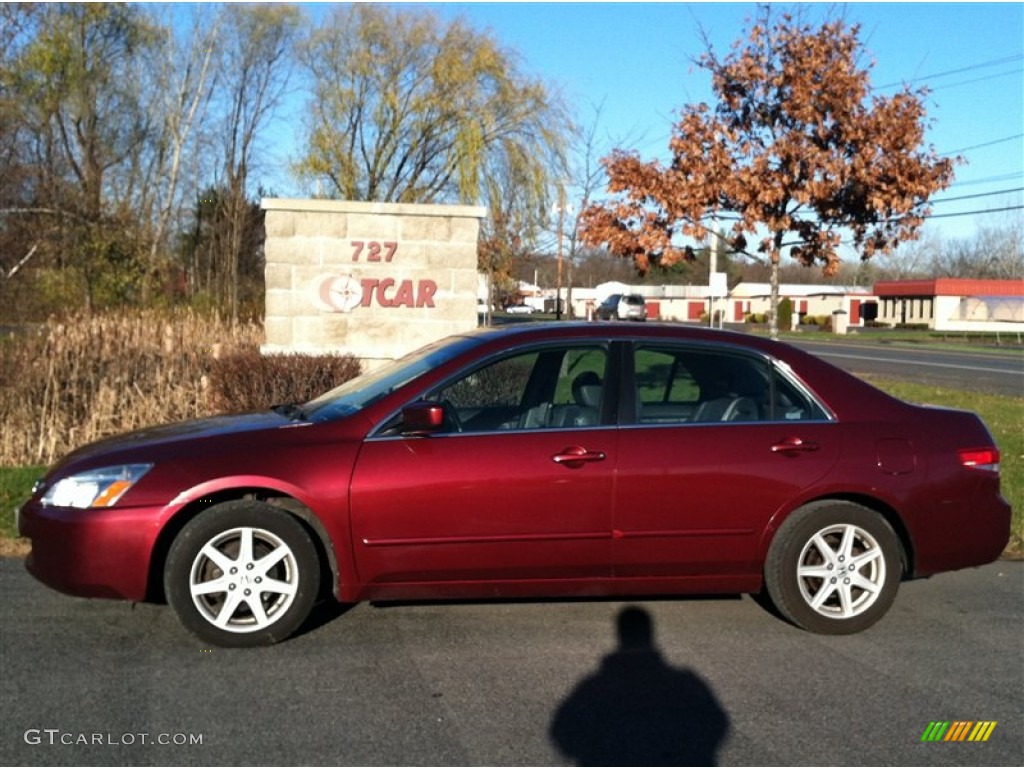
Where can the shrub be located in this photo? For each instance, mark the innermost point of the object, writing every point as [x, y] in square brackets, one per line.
[785, 313]
[248, 381]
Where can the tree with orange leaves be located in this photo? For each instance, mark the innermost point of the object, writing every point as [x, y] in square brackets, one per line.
[797, 149]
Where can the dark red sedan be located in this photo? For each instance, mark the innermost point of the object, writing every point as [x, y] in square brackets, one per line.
[536, 460]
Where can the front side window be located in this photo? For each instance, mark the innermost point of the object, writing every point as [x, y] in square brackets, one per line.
[358, 393]
[689, 385]
[548, 388]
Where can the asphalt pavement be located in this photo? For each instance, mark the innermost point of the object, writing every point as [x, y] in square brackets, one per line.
[716, 681]
[977, 370]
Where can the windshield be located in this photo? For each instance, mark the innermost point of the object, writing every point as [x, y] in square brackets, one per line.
[357, 393]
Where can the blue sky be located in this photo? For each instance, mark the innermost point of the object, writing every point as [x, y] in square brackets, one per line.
[636, 60]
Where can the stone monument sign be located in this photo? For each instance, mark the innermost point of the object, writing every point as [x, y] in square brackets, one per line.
[375, 280]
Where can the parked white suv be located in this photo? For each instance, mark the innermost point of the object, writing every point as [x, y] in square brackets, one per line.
[622, 306]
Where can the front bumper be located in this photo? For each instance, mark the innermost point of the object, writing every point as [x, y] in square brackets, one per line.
[91, 552]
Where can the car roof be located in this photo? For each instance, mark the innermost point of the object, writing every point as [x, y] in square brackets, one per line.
[582, 329]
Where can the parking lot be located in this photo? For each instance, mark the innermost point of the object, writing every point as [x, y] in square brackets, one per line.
[718, 681]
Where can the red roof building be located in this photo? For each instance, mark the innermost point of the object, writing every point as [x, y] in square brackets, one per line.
[953, 304]
[950, 286]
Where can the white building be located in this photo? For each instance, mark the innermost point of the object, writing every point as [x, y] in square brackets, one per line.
[953, 304]
[944, 304]
[690, 303]
[814, 300]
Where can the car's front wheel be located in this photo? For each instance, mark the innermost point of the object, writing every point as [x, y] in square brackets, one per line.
[242, 574]
[833, 568]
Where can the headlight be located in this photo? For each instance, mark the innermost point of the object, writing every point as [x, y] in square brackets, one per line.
[95, 487]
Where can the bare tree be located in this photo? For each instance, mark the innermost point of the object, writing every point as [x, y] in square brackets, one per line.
[80, 122]
[255, 49]
[1002, 243]
[78, 74]
[995, 252]
[406, 109]
[913, 259]
[586, 176]
[184, 75]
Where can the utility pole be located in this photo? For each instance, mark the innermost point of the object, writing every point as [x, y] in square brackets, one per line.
[561, 225]
[716, 280]
[712, 268]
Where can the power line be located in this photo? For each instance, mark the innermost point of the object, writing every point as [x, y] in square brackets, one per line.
[970, 68]
[987, 180]
[986, 144]
[980, 194]
[974, 213]
[734, 217]
[974, 80]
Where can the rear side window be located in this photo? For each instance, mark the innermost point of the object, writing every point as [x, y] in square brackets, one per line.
[791, 403]
[678, 385]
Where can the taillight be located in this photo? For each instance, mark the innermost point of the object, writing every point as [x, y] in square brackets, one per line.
[986, 459]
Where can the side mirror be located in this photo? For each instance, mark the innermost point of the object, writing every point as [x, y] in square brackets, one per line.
[421, 419]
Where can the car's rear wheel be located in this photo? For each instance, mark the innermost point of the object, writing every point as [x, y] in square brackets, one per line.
[833, 568]
[242, 574]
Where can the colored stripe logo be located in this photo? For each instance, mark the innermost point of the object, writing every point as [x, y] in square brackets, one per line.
[958, 730]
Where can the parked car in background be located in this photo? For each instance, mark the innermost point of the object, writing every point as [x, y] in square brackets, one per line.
[535, 460]
[520, 309]
[622, 306]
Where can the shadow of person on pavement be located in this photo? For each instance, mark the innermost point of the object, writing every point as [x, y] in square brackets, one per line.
[637, 710]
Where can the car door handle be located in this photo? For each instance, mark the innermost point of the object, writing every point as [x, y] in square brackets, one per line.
[794, 445]
[576, 456]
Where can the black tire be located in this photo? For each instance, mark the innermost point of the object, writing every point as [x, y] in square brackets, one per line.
[269, 589]
[833, 568]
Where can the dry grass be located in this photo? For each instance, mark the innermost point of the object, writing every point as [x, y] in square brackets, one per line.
[86, 377]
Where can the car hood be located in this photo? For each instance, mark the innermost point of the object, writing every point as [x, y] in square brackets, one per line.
[151, 439]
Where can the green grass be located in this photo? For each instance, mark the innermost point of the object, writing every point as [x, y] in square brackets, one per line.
[1003, 415]
[15, 486]
[1004, 343]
